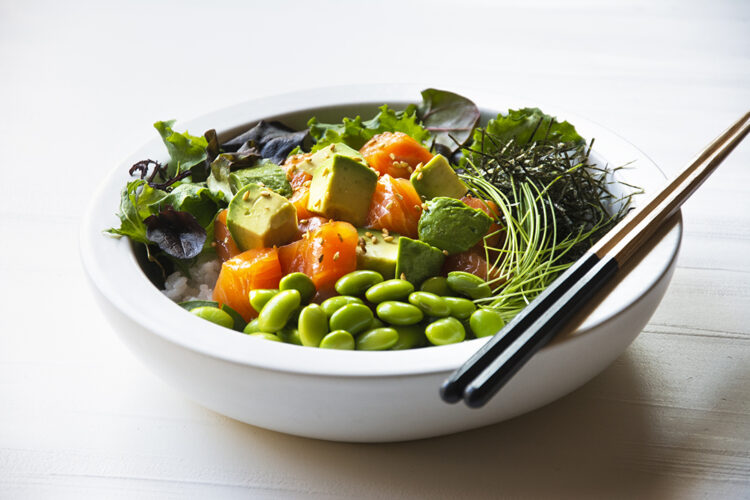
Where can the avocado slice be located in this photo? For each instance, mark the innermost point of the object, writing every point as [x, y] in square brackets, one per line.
[437, 178]
[452, 225]
[268, 174]
[380, 256]
[260, 218]
[342, 185]
[416, 261]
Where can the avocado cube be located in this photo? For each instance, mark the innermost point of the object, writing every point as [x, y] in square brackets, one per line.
[377, 254]
[342, 185]
[324, 154]
[269, 174]
[452, 225]
[437, 178]
[416, 261]
[260, 218]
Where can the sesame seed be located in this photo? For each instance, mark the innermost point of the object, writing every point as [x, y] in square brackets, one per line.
[400, 196]
[374, 240]
[336, 256]
[445, 252]
[213, 244]
[265, 194]
[385, 231]
[389, 205]
[419, 176]
[417, 207]
[387, 239]
[368, 234]
[424, 206]
[392, 156]
[326, 171]
[419, 166]
[246, 196]
[410, 169]
[333, 147]
[341, 239]
[320, 259]
[403, 276]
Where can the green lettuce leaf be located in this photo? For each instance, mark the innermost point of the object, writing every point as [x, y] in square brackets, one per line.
[355, 132]
[195, 199]
[138, 201]
[524, 126]
[185, 150]
[531, 125]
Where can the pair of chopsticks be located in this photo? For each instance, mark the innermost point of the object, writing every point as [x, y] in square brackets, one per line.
[490, 368]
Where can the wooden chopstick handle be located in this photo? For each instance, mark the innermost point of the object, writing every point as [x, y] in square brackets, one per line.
[696, 168]
[520, 350]
[625, 244]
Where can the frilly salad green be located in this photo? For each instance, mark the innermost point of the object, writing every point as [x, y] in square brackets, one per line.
[416, 227]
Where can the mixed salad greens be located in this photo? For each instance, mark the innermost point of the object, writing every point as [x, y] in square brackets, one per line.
[415, 227]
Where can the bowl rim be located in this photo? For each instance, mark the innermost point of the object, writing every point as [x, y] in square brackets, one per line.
[114, 273]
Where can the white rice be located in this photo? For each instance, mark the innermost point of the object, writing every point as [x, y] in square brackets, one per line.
[200, 285]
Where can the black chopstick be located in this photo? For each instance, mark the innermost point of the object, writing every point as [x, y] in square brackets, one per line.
[490, 368]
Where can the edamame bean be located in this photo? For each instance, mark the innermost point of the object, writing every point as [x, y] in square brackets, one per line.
[357, 282]
[259, 297]
[354, 318]
[468, 285]
[430, 304]
[266, 335]
[485, 322]
[394, 289]
[333, 304]
[290, 335]
[338, 339]
[278, 310]
[399, 313]
[460, 308]
[251, 327]
[445, 331]
[409, 336]
[377, 339]
[300, 282]
[214, 315]
[376, 323]
[312, 325]
[437, 285]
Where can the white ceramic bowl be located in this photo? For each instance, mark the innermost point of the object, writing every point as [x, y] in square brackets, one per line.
[353, 395]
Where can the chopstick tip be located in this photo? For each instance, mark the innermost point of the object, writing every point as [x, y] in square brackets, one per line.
[450, 392]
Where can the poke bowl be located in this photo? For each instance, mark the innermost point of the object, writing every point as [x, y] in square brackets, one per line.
[353, 395]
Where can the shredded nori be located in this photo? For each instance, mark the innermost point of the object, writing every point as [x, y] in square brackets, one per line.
[574, 188]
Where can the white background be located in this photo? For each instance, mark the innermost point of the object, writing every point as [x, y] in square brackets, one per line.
[80, 84]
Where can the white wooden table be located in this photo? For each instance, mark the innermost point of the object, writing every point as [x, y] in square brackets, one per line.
[80, 84]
